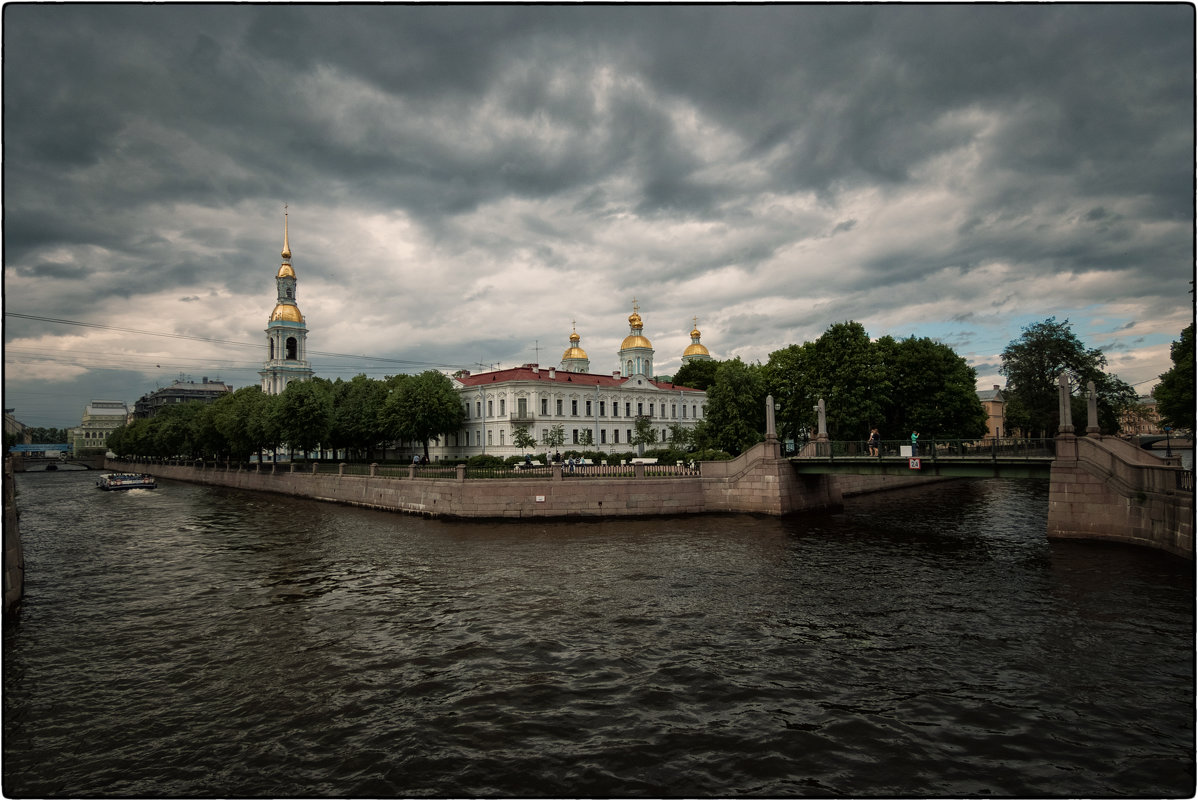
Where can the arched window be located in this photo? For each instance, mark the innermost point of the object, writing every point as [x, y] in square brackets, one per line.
[292, 347]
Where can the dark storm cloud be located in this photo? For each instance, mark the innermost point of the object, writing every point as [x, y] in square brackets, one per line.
[148, 150]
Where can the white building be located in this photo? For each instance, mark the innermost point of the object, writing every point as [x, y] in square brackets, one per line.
[286, 334]
[597, 412]
[100, 418]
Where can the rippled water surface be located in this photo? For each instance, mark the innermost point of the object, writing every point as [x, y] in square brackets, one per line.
[194, 641]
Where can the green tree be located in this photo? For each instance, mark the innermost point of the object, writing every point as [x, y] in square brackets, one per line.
[304, 414]
[930, 389]
[175, 430]
[681, 437]
[643, 433]
[1033, 365]
[697, 374]
[736, 406]
[555, 437]
[422, 407]
[357, 405]
[245, 422]
[522, 439]
[1175, 393]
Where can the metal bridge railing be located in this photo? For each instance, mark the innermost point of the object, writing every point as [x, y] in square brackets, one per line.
[932, 448]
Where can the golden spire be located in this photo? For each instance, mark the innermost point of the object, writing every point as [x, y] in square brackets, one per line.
[286, 248]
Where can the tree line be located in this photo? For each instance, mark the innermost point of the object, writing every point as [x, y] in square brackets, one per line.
[358, 416]
[895, 385]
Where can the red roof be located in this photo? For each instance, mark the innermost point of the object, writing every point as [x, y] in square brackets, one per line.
[562, 377]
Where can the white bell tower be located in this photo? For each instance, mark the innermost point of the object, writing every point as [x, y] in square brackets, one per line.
[286, 336]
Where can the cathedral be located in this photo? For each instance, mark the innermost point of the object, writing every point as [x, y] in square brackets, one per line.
[596, 411]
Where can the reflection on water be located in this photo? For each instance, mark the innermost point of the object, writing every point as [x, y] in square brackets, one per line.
[204, 642]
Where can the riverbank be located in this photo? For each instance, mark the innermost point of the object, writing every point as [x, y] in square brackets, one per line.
[759, 481]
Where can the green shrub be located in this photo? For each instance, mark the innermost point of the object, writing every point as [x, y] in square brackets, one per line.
[485, 460]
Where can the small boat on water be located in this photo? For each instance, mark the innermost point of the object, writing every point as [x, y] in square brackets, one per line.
[126, 481]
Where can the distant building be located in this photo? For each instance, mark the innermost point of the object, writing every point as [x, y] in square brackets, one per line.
[14, 429]
[1143, 418]
[100, 418]
[995, 404]
[286, 335]
[179, 392]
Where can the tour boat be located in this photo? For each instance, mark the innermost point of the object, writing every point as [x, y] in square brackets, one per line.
[126, 481]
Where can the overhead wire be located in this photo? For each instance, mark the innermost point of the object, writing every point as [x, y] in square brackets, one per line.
[214, 340]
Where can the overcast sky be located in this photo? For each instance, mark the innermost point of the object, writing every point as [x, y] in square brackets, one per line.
[466, 184]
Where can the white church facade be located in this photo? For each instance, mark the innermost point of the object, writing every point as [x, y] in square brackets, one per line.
[595, 411]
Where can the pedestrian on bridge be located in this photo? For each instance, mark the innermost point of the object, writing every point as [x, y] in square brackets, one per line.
[875, 441]
[915, 443]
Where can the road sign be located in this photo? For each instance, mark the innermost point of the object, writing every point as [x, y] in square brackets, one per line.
[913, 464]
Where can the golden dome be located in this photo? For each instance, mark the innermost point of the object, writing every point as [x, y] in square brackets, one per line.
[286, 313]
[695, 333]
[635, 341]
[634, 321]
[574, 352]
[695, 349]
[285, 271]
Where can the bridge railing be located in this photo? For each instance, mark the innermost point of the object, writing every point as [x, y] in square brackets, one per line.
[932, 448]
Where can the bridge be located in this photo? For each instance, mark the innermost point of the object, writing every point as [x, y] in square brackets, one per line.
[31, 464]
[954, 458]
[1100, 488]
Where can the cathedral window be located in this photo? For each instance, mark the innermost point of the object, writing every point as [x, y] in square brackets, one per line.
[292, 348]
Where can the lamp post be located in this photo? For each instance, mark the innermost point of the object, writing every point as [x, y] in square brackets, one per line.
[1168, 443]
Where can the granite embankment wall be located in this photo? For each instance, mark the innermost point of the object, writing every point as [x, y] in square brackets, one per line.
[1106, 489]
[14, 560]
[757, 482]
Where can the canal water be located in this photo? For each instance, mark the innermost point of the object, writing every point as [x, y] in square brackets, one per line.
[204, 642]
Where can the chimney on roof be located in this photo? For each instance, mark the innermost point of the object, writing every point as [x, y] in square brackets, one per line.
[996, 387]
[536, 369]
[552, 372]
[615, 373]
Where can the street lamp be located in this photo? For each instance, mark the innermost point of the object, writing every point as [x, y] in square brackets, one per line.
[1168, 443]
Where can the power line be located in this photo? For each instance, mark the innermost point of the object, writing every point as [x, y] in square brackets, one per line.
[103, 326]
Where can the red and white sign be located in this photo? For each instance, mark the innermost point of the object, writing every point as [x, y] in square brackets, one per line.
[913, 464]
